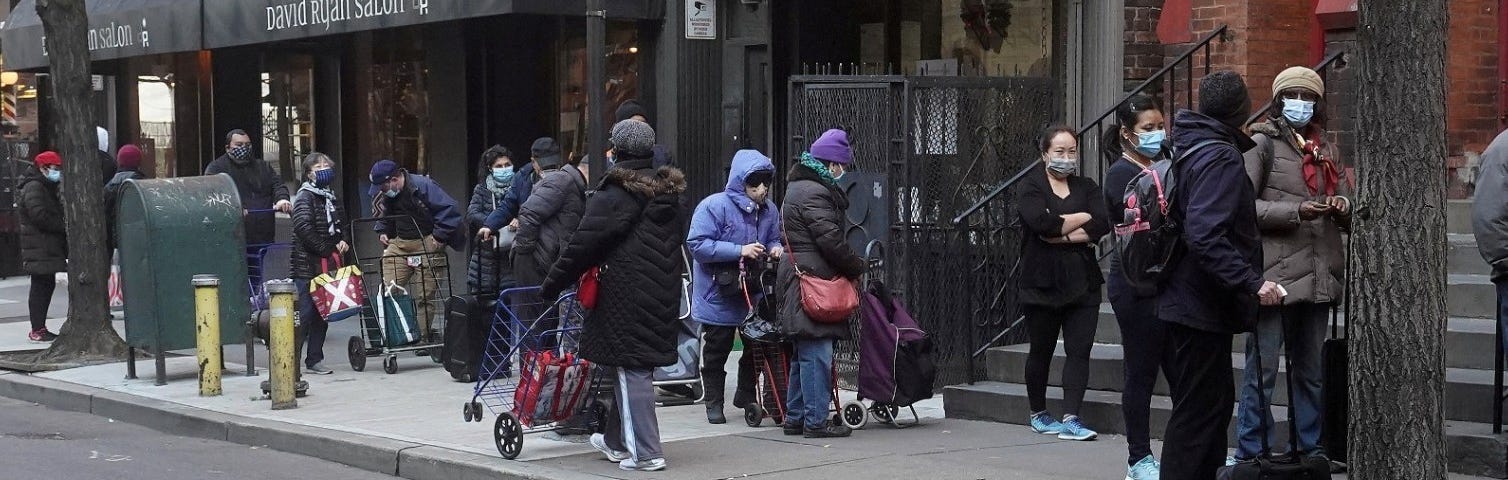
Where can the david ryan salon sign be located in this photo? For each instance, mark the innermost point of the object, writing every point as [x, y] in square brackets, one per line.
[327, 13]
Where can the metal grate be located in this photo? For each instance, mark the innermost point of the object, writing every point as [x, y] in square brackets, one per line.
[944, 143]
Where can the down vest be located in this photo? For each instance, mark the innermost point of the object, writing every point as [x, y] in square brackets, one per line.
[316, 232]
[1306, 257]
[633, 227]
[44, 238]
[813, 216]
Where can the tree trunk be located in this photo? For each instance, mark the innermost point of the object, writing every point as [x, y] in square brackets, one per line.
[88, 335]
[1397, 372]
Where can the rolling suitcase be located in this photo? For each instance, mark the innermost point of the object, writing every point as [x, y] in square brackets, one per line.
[467, 318]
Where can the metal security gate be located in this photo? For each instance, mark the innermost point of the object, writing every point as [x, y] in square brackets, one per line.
[941, 144]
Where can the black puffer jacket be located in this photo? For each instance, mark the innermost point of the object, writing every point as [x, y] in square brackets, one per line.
[813, 216]
[633, 228]
[313, 235]
[488, 269]
[44, 238]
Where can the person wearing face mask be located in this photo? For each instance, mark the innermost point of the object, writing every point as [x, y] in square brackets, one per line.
[1132, 147]
[489, 270]
[813, 218]
[1063, 215]
[44, 238]
[423, 220]
[1302, 213]
[730, 232]
[259, 187]
[317, 244]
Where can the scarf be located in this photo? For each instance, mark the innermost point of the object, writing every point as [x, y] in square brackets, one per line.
[808, 161]
[498, 191]
[329, 204]
[1320, 173]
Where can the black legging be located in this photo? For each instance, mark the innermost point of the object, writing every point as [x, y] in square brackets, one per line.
[1144, 340]
[40, 299]
[1077, 323]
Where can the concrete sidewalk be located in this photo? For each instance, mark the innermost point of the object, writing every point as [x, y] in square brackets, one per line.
[410, 425]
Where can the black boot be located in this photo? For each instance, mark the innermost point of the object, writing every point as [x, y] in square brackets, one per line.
[743, 399]
[715, 414]
[793, 429]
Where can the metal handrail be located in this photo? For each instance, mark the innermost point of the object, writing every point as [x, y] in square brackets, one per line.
[1219, 33]
[1337, 57]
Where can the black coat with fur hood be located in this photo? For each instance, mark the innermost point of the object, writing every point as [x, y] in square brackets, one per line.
[633, 227]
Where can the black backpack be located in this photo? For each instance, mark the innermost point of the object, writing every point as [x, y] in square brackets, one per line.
[1147, 239]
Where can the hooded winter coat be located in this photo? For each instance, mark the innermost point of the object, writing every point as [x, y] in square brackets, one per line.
[813, 219]
[316, 231]
[44, 238]
[547, 219]
[723, 223]
[633, 228]
[1489, 210]
[488, 269]
[1306, 257]
[1213, 286]
[259, 188]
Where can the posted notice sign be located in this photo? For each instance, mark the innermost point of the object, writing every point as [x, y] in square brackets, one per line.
[701, 19]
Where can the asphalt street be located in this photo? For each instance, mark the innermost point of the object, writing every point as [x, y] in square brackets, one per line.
[39, 443]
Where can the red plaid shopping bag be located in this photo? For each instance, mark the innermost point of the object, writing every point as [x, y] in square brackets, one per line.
[551, 387]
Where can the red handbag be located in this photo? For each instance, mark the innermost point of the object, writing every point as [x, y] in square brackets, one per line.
[586, 291]
[824, 300]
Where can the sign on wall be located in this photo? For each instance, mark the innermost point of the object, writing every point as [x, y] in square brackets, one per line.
[701, 19]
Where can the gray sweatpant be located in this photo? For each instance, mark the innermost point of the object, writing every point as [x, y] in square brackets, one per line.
[632, 425]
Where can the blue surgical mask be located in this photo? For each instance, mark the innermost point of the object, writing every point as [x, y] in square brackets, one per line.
[1298, 112]
[502, 175]
[391, 193]
[54, 175]
[1149, 144]
[322, 178]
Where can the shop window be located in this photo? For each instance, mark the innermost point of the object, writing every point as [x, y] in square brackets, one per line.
[155, 88]
[288, 113]
[622, 68]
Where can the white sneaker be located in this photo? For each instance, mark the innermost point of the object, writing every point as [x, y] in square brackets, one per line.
[643, 466]
[599, 442]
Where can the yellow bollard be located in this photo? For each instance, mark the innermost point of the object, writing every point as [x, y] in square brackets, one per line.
[207, 328]
[282, 355]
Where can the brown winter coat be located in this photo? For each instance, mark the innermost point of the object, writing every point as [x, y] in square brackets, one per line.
[1306, 257]
[814, 225]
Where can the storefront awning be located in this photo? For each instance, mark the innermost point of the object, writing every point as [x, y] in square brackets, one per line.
[117, 29]
[229, 23]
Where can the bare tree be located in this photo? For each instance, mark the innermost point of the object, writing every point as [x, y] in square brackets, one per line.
[88, 335]
[1397, 376]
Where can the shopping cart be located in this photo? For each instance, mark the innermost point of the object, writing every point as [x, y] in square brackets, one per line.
[552, 383]
[428, 286]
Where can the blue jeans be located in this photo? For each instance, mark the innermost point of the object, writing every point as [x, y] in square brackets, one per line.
[810, 390]
[312, 326]
[1305, 325]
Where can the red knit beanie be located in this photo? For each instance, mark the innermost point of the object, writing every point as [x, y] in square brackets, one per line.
[129, 157]
[48, 159]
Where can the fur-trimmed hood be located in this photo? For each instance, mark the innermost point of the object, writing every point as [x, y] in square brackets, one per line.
[646, 181]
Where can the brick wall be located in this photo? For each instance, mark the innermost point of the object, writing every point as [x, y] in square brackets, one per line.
[1470, 90]
[1144, 53]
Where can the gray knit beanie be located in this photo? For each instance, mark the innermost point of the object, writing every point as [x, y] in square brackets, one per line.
[1223, 97]
[633, 138]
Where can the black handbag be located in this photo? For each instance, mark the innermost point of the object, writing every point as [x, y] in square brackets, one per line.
[1294, 465]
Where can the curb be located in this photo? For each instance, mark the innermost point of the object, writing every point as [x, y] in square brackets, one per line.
[371, 453]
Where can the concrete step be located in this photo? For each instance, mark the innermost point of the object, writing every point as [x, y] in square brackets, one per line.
[1101, 411]
[1458, 216]
[1472, 296]
[1468, 392]
[1106, 369]
[1472, 449]
[1463, 256]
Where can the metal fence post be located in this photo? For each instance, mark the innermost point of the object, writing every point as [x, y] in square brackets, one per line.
[282, 353]
[207, 328]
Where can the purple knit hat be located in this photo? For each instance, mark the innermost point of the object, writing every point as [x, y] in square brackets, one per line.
[832, 146]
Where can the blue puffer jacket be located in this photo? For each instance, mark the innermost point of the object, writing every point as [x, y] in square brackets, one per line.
[723, 223]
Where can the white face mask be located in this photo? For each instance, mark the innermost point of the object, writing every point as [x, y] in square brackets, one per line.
[837, 169]
[1062, 166]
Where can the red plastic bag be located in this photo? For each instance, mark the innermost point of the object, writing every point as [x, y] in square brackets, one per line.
[551, 388]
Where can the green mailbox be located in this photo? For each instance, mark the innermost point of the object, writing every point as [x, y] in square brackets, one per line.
[170, 230]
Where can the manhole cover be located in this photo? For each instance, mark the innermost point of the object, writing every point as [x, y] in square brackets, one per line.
[34, 436]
